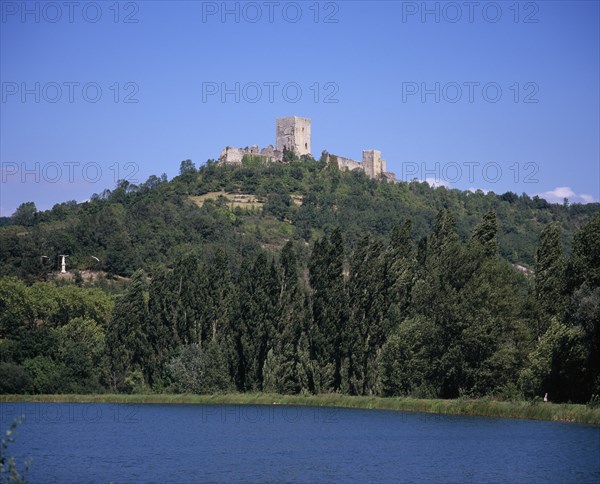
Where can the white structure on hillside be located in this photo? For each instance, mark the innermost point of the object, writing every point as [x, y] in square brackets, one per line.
[63, 264]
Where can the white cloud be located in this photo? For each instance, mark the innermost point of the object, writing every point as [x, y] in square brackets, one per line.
[437, 182]
[559, 193]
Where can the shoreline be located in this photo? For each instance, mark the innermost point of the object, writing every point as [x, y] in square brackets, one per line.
[556, 412]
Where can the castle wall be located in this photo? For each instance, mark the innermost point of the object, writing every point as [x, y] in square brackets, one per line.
[346, 163]
[373, 165]
[231, 155]
[236, 155]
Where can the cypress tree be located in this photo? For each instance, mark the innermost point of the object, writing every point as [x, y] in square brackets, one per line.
[549, 275]
[485, 234]
[365, 334]
[162, 336]
[329, 307]
[254, 320]
[127, 340]
[400, 274]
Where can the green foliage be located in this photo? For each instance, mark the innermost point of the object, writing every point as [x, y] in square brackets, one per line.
[187, 167]
[134, 382]
[328, 295]
[396, 356]
[45, 304]
[469, 341]
[47, 375]
[271, 377]
[554, 365]
[485, 234]
[252, 161]
[127, 340]
[329, 309]
[25, 214]
[141, 226]
[289, 155]
[585, 263]
[279, 205]
[198, 370]
[17, 308]
[550, 273]
[14, 379]
[366, 331]
[81, 348]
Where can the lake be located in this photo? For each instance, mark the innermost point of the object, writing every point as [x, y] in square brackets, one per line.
[229, 443]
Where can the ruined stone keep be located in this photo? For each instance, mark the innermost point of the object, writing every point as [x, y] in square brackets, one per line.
[293, 134]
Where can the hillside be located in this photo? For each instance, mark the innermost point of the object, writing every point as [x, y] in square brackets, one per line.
[378, 289]
[243, 208]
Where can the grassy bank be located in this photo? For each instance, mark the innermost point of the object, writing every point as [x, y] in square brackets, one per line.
[482, 407]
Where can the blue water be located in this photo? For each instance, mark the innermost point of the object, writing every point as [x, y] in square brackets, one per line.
[194, 443]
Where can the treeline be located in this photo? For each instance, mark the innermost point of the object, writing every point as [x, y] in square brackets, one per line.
[446, 317]
[152, 224]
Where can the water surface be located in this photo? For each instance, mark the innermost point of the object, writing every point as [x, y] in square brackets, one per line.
[229, 443]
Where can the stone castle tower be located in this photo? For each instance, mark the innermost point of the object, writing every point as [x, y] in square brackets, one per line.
[373, 164]
[293, 134]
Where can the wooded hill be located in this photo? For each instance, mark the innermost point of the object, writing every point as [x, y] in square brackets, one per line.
[152, 224]
[325, 281]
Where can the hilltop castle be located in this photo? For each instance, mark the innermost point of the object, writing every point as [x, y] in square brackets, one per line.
[293, 134]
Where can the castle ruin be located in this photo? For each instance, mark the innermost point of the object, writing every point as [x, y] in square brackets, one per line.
[372, 163]
[293, 133]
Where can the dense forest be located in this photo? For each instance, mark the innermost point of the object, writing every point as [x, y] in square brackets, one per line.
[363, 287]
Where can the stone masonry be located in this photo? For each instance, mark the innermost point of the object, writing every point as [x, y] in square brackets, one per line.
[372, 164]
[293, 134]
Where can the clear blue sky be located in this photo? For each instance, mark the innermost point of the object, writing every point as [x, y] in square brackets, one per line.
[374, 56]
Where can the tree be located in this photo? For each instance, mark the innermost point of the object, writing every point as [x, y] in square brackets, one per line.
[329, 307]
[283, 371]
[217, 298]
[400, 274]
[187, 290]
[25, 214]
[255, 316]
[549, 275]
[198, 370]
[127, 341]
[279, 205]
[554, 367]
[583, 309]
[47, 375]
[162, 333]
[584, 267]
[365, 334]
[80, 347]
[187, 167]
[14, 379]
[407, 360]
[485, 234]
[17, 307]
